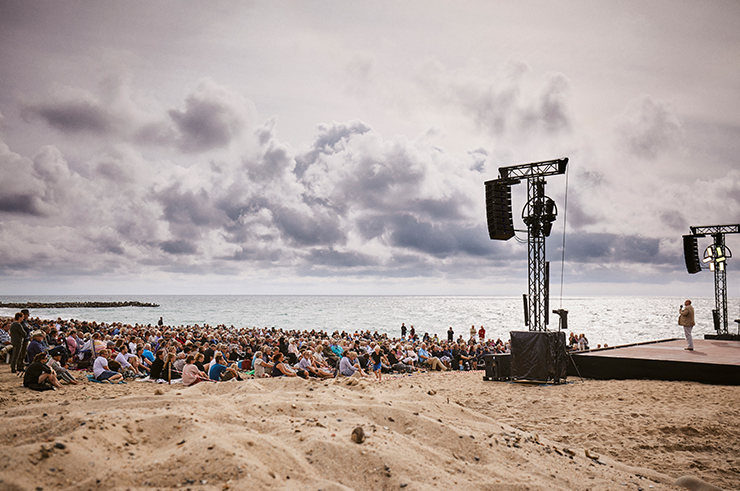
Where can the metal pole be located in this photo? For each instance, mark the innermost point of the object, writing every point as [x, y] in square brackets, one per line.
[720, 285]
[536, 249]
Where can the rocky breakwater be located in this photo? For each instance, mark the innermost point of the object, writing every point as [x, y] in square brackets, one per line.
[75, 305]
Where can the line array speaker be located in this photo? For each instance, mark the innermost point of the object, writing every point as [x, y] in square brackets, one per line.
[691, 254]
[498, 210]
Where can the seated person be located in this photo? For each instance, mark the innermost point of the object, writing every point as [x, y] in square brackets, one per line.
[101, 372]
[39, 376]
[55, 363]
[328, 354]
[306, 364]
[146, 354]
[199, 357]
[220, 372]
[280, 368]
[144, 363]
[36, 346]
[129, 363]
[191, 375]
[409, 356]
[432, 362]
[6, 346]
[261, 367]
[180, 361]
[169, 372]
[349, 366]
[155, 372]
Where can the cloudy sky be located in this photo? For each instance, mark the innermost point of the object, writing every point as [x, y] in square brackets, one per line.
[338, 146]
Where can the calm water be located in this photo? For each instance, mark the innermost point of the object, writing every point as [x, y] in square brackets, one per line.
[612, 320]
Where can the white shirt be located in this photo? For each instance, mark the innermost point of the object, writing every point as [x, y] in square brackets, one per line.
[100, 365]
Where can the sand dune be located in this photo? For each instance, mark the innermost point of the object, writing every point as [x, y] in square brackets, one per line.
[446, 431]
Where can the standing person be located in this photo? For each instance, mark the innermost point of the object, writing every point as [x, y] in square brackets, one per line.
[403, 330]
[377, 356]
[160, 322]
[472, 332]
[686, 319]
[482, 334]
[18, 339]
[412, 333]
[450, 335]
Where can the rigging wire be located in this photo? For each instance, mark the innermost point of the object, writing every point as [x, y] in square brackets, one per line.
[565, 222]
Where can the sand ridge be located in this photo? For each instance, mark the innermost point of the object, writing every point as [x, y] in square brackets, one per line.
[445, 431]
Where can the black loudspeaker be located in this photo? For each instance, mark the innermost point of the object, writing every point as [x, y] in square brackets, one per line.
[691, 254]
[538, 356]
[498, 210]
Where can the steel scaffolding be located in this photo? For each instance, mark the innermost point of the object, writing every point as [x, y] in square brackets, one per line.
[716, 256]
[538, 214]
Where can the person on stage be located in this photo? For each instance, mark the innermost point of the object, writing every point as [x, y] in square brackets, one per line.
[686, 319]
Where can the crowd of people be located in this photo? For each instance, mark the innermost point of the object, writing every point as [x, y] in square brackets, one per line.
[51, 352]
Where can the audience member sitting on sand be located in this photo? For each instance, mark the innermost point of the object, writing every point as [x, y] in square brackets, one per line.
[307, 363]
[129, 363]
[191, 375]
[36, 345]
[55, 364]
[169, 372]
[350, 367]
[328, 354]
[39, 376]
[280, 368]
[219, 372]
[261, 367]
[428, 361]
[155, 372]
[101, 372]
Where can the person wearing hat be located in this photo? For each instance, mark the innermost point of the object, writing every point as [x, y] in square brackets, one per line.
[37, 345]
[56, 364]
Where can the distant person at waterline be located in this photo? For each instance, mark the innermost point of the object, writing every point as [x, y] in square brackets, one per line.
[686, 319]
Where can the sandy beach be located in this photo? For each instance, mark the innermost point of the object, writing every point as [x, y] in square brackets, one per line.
[440, 430]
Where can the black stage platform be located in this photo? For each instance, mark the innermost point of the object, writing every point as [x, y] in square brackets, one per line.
[712, 362]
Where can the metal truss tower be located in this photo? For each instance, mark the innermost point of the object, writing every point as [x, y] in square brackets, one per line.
[716, 256]
[538, 214]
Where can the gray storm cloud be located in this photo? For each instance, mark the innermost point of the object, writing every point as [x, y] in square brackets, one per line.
[350, 203]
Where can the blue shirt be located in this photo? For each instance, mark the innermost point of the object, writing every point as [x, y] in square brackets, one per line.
[216, 371]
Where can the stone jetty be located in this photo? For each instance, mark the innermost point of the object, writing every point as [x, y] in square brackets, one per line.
[74, 305]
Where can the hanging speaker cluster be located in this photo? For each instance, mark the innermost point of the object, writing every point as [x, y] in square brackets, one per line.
[498, 209]
[691, 254]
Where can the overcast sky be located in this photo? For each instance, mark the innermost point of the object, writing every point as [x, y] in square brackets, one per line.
[331, 147]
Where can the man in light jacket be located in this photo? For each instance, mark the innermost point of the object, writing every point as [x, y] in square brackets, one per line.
[686, 319]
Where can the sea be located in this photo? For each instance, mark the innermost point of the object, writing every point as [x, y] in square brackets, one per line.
[611, 320]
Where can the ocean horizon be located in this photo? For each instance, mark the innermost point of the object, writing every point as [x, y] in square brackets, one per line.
[611, 320]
